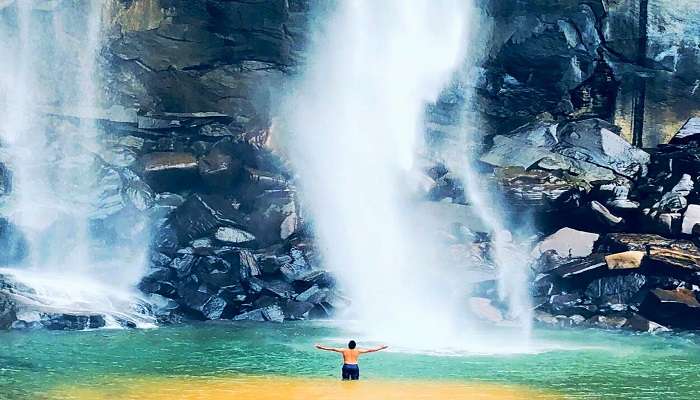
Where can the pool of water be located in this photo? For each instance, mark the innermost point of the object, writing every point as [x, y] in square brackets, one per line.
[588, 364]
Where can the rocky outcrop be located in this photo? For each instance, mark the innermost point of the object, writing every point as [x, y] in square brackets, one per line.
[632, 63]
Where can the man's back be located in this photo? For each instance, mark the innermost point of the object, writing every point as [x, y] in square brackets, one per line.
[351, 354]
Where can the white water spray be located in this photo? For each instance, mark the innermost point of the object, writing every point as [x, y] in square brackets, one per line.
[49, 93]
[356, 123]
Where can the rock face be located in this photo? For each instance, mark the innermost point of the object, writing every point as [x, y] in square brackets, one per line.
[632, 63]
[565, 90]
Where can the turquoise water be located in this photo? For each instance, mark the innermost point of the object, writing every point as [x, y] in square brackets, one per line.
[589, 364]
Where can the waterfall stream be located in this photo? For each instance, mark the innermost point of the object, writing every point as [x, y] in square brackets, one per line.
[356, 123]
[49, 99]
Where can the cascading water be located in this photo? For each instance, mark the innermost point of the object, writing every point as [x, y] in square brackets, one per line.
[356, 124]
[49, 99]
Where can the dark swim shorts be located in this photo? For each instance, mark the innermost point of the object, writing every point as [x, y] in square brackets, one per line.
[351, 372]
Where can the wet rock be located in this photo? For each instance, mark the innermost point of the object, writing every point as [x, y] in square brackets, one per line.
[7, 311]
[638, 323]
[66, 322]
[597, 142]
[215, 308]
[538, 190]
[183, 264]
[272, 313]
[233, 235]
[13, 244]
[620, 199]
[295, 310]
[313, 295]
[216, 271]
[316, 277]
[192, 295]
[278, 288]
[673, 308]
[567, 242]
[582, 269]
[168, 171]
[219, 170]
[202, 214]
[245, 262]
[617, 289]
[681, 258]
[608, 321]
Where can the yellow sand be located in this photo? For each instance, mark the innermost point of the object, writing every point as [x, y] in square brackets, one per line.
[284, 388]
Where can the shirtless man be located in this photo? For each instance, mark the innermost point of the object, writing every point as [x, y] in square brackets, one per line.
[351, 371]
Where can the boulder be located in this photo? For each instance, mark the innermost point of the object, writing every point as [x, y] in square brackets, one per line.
[597, 142]
[295, 310]
[216, 271]
[228, 234]
[638, 323]
[582, 269]
[682, 256]
[66, 322]
[278, 288]
[569, 242]
[608, 321]
[245, 262]
[616, 289]
[168, 172]
[219, 170]
[272, 313]
[677, 308]
[538, 190]
[313, 295]
[215, 308]
[201, 215]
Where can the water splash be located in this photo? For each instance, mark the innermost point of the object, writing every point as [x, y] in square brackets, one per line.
[355, 125]
[49, 96]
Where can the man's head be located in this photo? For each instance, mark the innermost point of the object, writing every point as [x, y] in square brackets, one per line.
[352, 345]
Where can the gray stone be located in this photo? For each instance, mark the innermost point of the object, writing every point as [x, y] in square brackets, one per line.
[168, 171]
[604, 214]
[233, 235]
[569, 242]
[616, 289]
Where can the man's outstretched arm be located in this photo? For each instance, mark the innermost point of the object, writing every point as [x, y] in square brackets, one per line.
[318, 346]
[373, 350]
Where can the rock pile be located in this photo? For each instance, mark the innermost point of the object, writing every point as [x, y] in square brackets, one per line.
[624, 254]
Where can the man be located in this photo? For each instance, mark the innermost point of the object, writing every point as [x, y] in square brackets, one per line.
[351, 371]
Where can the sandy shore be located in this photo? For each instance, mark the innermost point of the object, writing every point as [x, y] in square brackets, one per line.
[286, 388]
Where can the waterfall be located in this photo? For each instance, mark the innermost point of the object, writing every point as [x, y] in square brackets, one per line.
[50, 136]
[355, 125]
